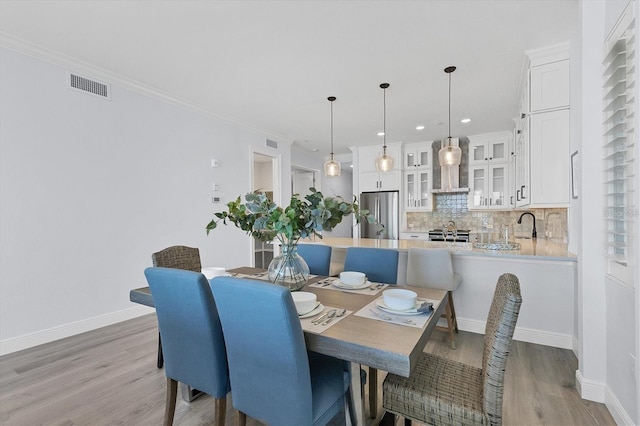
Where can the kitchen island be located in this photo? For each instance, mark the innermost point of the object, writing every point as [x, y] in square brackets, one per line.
[545, 268]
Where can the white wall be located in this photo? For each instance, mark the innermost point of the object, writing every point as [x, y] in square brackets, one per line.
[607, 310]
[89, 188]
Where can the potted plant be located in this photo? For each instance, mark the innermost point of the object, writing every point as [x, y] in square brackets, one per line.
[302, 218]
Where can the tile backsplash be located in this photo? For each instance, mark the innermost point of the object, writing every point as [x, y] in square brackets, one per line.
[550, 223]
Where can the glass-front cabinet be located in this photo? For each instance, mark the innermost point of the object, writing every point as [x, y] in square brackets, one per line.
[489, 187]
[491, 148]
[417, 191]
[418, 155]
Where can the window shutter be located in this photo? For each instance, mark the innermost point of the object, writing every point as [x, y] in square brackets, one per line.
[618, 142]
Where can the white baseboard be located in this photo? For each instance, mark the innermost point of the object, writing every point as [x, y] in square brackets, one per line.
[530, 335]
[616, 409]
[26, 341]
[589, 389]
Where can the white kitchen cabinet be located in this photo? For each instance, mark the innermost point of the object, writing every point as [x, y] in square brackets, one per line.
[489, 171]
[417, 190]
[370, 179]
[522, 170]
[418, 155]
[489, 148]
[380, 181]
[549, 86]
[542, 158]
[367, 157]
[550, 160]
[489, 187]
[424, 236]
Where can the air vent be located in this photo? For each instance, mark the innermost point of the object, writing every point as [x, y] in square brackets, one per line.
[272, 144]
[89, 86]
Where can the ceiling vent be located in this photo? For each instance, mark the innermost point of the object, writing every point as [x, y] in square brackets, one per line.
[86, 85]
[272, 144]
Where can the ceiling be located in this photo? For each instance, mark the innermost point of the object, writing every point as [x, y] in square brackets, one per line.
[272, 64]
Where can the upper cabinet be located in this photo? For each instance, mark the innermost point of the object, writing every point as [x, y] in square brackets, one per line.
[489, 170]
[493, 147]
[542, 158]
[370, 179]
[550, 86]
[418, 155]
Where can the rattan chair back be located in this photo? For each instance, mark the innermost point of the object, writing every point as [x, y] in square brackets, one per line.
[498, 334]
[178, 257]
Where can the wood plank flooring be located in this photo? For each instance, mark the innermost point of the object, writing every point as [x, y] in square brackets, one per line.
[108, 377]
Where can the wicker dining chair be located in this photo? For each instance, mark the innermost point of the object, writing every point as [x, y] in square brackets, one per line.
[176, 257]
[445, 392]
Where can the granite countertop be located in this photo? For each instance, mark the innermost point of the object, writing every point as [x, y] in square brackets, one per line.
[529, 248]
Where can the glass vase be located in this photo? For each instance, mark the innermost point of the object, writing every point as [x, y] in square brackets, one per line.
[289, 269]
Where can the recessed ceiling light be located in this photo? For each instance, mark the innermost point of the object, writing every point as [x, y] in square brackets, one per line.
[351, 165]
[380, 133]
[315, 149]
[465, 120]
[420, 127]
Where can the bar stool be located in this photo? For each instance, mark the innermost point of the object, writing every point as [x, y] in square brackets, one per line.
[433, 268]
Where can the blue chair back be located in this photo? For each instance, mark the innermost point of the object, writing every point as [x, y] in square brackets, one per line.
[268, 361]
[379, 264]
[317, 256]
[192, 341]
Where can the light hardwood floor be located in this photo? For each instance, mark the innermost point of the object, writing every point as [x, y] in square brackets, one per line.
[109, 377]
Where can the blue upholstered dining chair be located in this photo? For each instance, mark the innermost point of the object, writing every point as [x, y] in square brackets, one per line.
[379, 264]
[317, 256]
[192, 341]
[273, 377]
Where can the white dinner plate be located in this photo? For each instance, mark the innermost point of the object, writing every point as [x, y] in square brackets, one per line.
[381, 305]
[343, 286]
[315, 311]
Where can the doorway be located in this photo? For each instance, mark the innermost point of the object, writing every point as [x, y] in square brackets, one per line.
[302, 179]
[265, 177]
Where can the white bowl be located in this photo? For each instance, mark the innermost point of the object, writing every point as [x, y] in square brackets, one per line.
[352, 278]
[214, 271]
[305, 302]
[400, 299]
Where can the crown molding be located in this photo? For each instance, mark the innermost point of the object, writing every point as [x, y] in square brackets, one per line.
[58, 59]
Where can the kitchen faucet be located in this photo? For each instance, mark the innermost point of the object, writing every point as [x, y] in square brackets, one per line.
[534, 234]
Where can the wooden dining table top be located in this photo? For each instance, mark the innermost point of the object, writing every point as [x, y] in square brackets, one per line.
[383, 345]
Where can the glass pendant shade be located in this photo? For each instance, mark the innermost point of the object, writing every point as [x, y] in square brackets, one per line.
[332, 167]
[384, 163]
[450, 155]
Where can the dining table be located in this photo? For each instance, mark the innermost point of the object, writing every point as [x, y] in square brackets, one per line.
[364, 335]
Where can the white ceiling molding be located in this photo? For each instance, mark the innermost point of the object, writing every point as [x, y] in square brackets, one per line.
[15, 44]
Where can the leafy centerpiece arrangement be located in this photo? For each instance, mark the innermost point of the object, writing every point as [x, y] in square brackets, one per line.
[302, 218]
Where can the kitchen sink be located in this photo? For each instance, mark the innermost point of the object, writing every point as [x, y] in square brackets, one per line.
[497, 246]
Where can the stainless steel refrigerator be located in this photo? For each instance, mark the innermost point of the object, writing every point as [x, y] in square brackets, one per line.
[385, 206]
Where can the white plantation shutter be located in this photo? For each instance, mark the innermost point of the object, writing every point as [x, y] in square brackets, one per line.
[620, 166]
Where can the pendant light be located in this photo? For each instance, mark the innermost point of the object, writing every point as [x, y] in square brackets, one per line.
[449, 155]
[331, 166]
[384, 162]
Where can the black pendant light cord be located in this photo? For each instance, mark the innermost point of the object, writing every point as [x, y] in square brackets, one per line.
[384, 118]
[331, 99]
[449, 70]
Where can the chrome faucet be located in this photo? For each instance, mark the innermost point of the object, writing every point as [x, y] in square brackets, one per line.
[534, 234]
